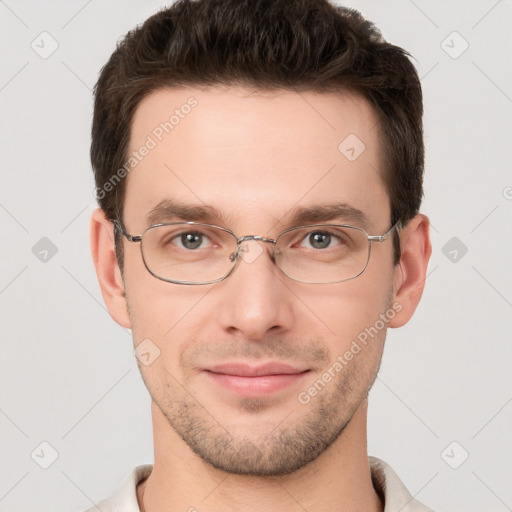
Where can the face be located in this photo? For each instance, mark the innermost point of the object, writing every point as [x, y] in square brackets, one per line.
[253, 372]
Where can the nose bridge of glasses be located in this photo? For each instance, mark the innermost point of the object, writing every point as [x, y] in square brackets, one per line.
[258, 238]
[248, 238]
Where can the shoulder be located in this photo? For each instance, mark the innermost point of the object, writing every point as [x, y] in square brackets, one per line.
[392, 490]
[124, 498]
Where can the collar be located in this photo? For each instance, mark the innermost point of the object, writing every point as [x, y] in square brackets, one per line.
[386, 482]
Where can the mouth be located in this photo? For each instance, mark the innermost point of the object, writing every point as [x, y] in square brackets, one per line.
[255, 381]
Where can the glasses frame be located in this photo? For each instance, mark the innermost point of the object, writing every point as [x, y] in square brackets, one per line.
[239, 240]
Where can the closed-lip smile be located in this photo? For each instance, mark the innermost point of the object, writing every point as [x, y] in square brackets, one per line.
[260, 380]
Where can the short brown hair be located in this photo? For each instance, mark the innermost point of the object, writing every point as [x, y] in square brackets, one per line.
[262, 44]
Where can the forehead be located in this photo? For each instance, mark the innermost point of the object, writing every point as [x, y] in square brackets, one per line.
[249, 153]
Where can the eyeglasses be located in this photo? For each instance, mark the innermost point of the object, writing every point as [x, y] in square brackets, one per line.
[195, 253]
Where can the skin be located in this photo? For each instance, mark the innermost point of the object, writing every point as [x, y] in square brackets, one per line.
[255, 156]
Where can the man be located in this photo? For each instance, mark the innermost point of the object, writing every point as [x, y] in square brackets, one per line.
[259, 173]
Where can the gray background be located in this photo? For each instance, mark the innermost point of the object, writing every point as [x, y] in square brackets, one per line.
[68, 375]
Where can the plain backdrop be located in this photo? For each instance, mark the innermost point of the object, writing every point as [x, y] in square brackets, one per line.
[440, 410]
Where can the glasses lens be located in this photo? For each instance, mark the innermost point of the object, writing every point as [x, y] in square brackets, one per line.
[323, 253]
[188, 253]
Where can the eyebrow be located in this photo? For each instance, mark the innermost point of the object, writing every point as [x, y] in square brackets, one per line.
[171, 209]
[329, 212]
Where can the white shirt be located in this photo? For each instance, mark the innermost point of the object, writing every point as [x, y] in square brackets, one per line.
[386, 482]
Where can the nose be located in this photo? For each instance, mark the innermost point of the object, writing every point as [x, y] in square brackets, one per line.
[255, 299]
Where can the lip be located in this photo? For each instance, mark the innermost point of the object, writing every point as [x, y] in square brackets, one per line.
[255, 381]
[246, 370]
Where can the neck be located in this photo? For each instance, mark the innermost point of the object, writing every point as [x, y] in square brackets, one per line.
[339, 479]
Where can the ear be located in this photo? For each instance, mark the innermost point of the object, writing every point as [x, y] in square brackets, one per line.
[107, 269]
[411, 270]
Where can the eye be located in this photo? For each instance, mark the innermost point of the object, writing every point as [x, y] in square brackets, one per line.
[185, 241]
[320, 240]
[189, 240]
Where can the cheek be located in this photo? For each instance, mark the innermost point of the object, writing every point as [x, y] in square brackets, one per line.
[166, 318]
[166, 314]
[348, 308]
[153, 303]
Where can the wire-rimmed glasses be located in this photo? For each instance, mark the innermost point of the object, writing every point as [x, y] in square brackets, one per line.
[194, 253]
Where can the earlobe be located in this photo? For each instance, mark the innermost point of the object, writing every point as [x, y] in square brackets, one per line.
[411, 271]
[107, 269]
